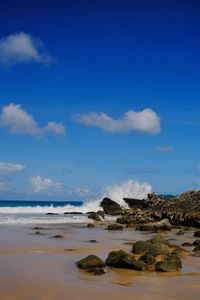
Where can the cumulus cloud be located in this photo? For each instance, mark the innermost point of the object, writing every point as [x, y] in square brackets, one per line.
[22, 48]
[145, 121]
[17, 121]
[165, 149]
[7, 168]
[45, 185]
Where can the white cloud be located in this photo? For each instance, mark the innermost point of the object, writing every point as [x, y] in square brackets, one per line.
[55, 128]
[165, 149]
[22, 48]
[45, 185]
[82, 192]
[146, 121]
[7, 168]
[18, 121]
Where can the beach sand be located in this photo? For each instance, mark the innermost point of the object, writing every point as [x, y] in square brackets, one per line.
[40, 267]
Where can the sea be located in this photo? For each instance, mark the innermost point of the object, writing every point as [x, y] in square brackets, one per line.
[37, 212]
[14, 212]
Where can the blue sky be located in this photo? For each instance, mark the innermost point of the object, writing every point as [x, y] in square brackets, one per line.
[63, 63]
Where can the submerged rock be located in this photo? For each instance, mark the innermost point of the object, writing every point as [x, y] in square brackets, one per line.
[124, 260]
[115, 227]
[111, 207]
[94, 216]
[58, 236]
[171, 263]
[91, 262]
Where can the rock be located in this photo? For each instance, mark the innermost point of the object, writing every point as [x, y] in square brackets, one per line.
[96, 271]
[197, 233]
[181, 232]
[183, 209]
[115, 227]
[135, 203]
[154, 247]
[148, 259]
[111, 207]
[163, 225]
[196, 243]
[51, 214]
[91, 261]
[38, 233]
[187, 244]
[124, 260]
[58, 236]
[92, 241]
[94, 216]
[197, 249]
[73, 213]
[90, 225]
[171, 263]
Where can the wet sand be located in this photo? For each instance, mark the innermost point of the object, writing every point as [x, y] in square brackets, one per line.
[40, 267]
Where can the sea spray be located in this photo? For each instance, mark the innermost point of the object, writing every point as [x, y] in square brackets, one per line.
[36, 214]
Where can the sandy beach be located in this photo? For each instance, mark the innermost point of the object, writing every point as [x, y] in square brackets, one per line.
[42, 267]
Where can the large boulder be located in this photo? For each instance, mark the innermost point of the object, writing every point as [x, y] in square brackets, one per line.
[111, 207]
[154, 247]
[124, 260]
[135, 203]
[91, 261]
[171, 263]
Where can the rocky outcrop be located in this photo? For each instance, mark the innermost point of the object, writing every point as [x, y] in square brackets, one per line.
[135, 203]
[183, 209]
[111, 207]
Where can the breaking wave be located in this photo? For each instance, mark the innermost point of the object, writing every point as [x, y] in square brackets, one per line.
[37, 214]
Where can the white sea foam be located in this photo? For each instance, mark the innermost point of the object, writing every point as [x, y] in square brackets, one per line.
[37, 214]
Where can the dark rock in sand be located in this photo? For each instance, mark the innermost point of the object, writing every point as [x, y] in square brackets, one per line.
[115, 227]
[92, 241]
[90, 225]
[154, 247]
[181, 232]
[91, 261]
[52, 214]
[148, 259]
[58, 236]
[38, 233]
[124, 260]
[94, 216]
[110, 207]
[163, 225]
[187, 244]
[171, 263]
[73, 213]
[196, 243]
[197, 233]
[197, 249]
[96, 271]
